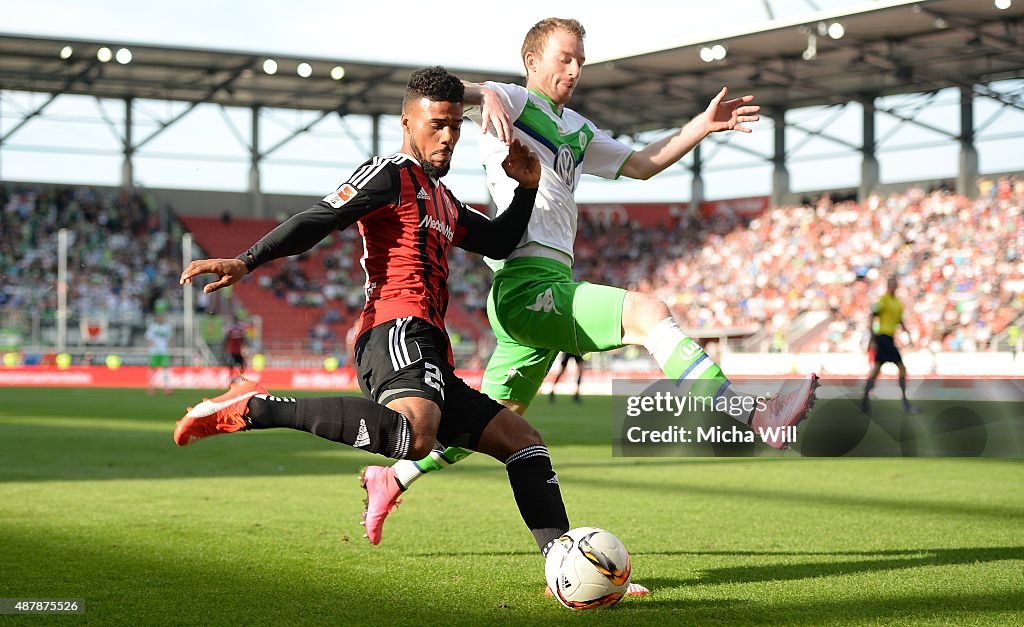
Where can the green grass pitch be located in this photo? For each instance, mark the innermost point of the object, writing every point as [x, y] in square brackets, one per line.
[263, 528]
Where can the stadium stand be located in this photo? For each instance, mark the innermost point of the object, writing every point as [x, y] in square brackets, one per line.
[123, 252]
[804, 275]
[960, 261]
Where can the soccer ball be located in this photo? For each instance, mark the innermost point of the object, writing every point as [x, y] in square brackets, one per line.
[587, 568]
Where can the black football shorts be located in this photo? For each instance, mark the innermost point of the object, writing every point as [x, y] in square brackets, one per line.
[409, 357]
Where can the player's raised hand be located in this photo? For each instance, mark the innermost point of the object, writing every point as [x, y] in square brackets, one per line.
[494, 115]
[727, 115]
[522, 165]
[229, 271]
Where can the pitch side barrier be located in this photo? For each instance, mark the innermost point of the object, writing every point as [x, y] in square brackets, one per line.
[339, 379]
[944, 418]
[595, 382]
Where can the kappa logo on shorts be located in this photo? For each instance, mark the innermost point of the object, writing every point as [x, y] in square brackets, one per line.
[545, 302]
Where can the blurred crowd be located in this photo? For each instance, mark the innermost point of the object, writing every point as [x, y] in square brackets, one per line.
[958, 260]
[123, 253]
[959, 263]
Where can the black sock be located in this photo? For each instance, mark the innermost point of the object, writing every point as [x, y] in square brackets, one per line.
[350, 420]
[535, 487]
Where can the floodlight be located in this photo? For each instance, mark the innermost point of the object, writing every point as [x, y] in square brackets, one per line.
[304, 70]
[104, 54]
[337, 72]
[124, 56]
[270, 66]
[66, 52]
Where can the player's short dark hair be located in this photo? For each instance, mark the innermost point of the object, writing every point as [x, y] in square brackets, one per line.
[435, 84]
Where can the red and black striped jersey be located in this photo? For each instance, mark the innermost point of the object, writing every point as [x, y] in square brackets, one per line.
[408, 222]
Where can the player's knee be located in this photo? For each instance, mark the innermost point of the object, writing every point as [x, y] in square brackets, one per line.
[424, 417]
[640, 312]
[528, 436]
[645, 307]
[508, 433]
[520, 435]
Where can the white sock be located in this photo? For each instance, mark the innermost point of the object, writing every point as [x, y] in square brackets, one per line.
[663, 339]
[407, 471]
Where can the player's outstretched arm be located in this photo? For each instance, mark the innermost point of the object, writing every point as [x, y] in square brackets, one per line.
[721, 115]
[494, 114]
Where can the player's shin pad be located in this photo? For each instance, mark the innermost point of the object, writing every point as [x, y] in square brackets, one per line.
[535, 487]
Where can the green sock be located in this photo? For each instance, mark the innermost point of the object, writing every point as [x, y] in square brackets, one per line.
[685, 362]
[681, 358]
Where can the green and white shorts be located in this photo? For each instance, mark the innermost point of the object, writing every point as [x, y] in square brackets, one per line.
[537, 311]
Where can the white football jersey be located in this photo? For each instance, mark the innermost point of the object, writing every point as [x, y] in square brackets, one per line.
[568, 145]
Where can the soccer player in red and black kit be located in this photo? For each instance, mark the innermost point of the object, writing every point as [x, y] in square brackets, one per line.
[408, 220]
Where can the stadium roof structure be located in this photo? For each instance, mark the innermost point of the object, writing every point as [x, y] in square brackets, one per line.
[879, 49]
[894, 48]
[236, 79]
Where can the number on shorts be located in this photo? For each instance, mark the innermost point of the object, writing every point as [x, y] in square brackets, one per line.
[433, 378]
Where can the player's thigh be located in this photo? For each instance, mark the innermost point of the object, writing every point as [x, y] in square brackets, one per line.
[533, 312]
[403, 358]
[424, 417]
[557, 314]
[597, 312]
[467, 414]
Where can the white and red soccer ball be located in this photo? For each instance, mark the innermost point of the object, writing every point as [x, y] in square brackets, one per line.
[588, 568]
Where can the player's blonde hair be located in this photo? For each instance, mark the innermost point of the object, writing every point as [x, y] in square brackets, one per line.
[537, 37]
